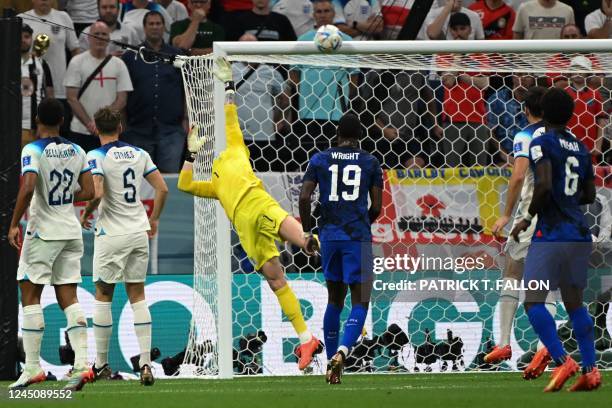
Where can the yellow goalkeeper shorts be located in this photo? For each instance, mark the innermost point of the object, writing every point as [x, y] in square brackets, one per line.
[257, 219]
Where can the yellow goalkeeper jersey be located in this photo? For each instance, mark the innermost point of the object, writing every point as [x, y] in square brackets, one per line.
[232, 174]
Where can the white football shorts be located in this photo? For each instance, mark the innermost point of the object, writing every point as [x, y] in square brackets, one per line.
[47, 262]
[121, 258]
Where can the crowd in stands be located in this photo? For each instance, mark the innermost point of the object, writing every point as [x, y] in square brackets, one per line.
[411, 118]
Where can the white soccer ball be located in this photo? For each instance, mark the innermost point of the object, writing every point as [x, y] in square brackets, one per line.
[328, 39]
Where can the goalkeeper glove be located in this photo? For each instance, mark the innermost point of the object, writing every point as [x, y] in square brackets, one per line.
[223, 72]
[194, 143]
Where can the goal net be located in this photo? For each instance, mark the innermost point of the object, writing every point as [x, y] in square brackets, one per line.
[441, 118]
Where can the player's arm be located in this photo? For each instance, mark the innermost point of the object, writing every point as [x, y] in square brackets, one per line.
[92, 205]
[87, 191]
[233, 134]
[309, 184]
[515, 184]
[26, 192]
[375, 203]
[161, 192]
[196, 188]
[588, 192]
[541, 189]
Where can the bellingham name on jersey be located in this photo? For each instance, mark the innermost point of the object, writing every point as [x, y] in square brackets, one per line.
[562, 219]
[345, 176]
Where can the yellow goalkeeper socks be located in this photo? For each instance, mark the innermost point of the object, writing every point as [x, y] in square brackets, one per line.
[291, 307]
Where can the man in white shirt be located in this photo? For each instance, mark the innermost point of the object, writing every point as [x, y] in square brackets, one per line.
[175, 9]
[109, 13]
[135, 18]
[108, 87]
[598, 24]
[122, 231]
[55, 175]
[541, 20]
[82, 12]
[362, 19]
[60, 40]
[436, 25]
[299, 13]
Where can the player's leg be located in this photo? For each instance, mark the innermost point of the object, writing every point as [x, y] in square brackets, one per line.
[103, 328]
[508, 303]
[35, 271]
[65, 278]
[291, 231]
[134, 274]
[582, 322]
[33, 327]
[142, 328]
[336, 293]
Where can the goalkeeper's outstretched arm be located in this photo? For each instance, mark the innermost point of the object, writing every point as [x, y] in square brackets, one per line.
[233, 134]
[196, 188]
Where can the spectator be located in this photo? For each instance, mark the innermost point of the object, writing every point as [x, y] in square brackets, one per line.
[395, 117]
[59, 40]
[21, 6]
[589, 118]
[506, 116]
[36, 84]
[394, 15]
[264, 24]
[196, 33]
[260, 100]
[362, 18]
[324, 94]
[465, 135]
[497, 18]
[94, 79]
[542, 19]
[155, 109]
[236, 5]
[299, 13]
[437, 22]
[135, 17]
[82, 12]
[175, 9]
[598, 24]
[108, 11]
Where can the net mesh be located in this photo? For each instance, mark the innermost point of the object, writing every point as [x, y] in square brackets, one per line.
[442, 127]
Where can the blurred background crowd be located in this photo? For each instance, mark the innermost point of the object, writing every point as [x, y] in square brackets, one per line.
[411, 118]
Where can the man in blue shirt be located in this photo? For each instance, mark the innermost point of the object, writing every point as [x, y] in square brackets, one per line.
[346, 176]
[505, 115]
[155, 109]
[324, 94]
[561, 245]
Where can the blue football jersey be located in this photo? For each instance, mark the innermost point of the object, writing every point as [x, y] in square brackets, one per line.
[562, 219]
[345, 176]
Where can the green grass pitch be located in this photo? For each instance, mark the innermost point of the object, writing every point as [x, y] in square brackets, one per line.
[471, 390]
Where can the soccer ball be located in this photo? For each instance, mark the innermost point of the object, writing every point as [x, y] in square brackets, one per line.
[328, 39]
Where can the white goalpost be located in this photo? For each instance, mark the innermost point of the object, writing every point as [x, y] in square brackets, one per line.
[445, 183]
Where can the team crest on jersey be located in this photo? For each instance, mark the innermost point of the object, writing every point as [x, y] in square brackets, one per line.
[306, 9]
[27, 160]
[365, 10]
[518, 147]
[92, 163]
[55, 29]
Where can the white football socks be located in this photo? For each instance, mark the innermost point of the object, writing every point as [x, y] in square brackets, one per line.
[103, 328]
[77, 333]
[142, 327]
[509, 302]
[33, 328]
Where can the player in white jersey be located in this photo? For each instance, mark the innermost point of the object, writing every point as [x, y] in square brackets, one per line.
[122, 231]
[520, 190]
[51, 251]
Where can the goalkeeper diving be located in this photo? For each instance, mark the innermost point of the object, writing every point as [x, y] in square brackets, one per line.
[258, 219]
